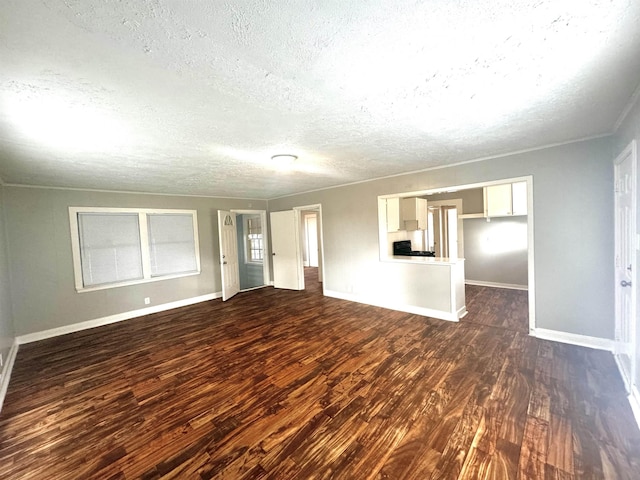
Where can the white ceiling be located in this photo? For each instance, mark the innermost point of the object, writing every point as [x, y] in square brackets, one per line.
[194, 97]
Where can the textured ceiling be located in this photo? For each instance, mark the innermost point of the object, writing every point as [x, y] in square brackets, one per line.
[195, 97]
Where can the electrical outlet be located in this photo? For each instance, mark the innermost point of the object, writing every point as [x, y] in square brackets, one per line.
[147, 300]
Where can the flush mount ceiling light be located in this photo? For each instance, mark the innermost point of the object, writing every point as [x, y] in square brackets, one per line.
[283, 162]
[284, 159]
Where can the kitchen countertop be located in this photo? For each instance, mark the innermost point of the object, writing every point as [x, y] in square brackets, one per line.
[426, 260]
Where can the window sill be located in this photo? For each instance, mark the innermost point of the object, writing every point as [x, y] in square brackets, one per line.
[107, 286]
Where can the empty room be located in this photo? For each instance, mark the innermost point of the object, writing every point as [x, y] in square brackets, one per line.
[299, 240]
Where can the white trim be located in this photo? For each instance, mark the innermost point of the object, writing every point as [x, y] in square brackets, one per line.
[448, 165]
[574, 339]
[627, 109]
[627, 381]
[630, 152]
[425, 312]
[143, 214]
[413, 172]
[634, 401]
[456, 188]
[6, 370]
[118, 317]
[131, 192]
[266, 261]
[511, 286]
[315, 207]
[531, 278]
[531, 264]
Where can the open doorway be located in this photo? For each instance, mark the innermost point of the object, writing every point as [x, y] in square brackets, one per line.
[494, 234]
[253, 268]
[296, 241]
[444, 234]
[311, 245]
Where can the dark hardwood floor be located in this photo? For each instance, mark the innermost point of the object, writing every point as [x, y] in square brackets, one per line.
[292, 385]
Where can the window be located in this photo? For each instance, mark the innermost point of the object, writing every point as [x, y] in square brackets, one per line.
[109, 248]
[123, 246]
[171, 243]
[254, 244]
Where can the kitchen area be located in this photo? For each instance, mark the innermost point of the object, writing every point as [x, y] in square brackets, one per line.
[413, 235]
[422, 233]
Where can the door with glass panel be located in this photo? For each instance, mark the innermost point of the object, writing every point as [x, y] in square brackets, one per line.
[228, 254]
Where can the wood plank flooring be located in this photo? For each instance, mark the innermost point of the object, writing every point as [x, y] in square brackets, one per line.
[293, 385]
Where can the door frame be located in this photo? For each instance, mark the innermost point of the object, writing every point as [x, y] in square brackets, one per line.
[316, 207]
[531, 277]
[266, 271]
[629, 151]
[456, 202]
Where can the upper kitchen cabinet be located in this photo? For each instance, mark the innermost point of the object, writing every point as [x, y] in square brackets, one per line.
[519, 198]
[414, 213]
[505, 200]
[406, 214]
[393, 214]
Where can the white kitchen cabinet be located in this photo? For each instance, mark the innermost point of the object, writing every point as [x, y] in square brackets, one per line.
[393, 214]
[497, 200]
[414, 213]
[519, 198]
[505, 200]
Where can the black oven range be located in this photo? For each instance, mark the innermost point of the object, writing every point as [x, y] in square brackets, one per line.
[403, 248]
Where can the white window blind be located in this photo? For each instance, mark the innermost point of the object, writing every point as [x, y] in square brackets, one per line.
[110, 248]
[171, 244]
[114, 247]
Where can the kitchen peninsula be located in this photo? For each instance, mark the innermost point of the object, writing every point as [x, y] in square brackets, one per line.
[428, 285]
[440, 282]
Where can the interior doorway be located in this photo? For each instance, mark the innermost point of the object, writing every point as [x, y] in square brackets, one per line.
[445, 229]
[311, 244]
[293, 231]
[253, 268]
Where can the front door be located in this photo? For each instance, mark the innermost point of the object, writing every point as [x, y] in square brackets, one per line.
[625, 278]
[285, 245]
[228, 254]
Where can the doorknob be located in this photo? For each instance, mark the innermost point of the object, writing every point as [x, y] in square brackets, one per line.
[224, 263]
[624, 283]
[273, 254]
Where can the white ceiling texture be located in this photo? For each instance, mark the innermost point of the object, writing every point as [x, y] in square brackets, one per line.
[195, 97]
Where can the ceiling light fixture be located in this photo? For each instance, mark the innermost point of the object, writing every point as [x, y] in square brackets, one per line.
[284, 159]
[283, 162]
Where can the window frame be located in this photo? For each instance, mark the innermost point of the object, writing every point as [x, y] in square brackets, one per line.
[144, 245]
[247, 240]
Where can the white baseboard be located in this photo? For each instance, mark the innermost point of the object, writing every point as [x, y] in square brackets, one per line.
[511, 286]
[119, 317]
[574, 339]
[426, 312]
[6, 371]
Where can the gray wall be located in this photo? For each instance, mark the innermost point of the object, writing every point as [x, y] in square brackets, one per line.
[39, 242]
[573, 202]
[488, 258]
[628, 131]
[7, 333]
[472, 199]
[490, 262]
